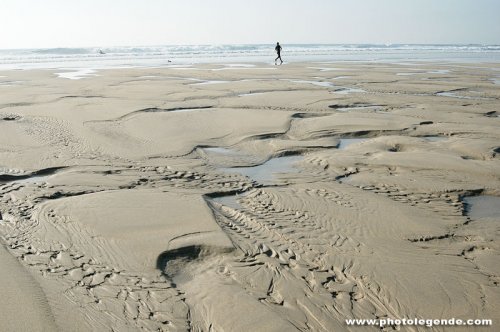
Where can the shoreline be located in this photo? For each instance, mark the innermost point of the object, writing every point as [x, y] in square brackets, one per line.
[159, 56]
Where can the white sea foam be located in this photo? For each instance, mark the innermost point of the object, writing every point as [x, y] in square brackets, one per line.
[238, 56]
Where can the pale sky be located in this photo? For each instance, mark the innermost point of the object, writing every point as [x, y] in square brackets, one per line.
[73, 23]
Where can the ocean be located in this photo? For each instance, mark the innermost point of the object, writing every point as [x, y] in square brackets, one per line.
[173, 55]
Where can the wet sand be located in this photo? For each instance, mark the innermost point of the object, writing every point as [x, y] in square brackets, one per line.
[264, 198]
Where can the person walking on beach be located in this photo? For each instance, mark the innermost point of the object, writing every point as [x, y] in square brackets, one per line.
[278, 50]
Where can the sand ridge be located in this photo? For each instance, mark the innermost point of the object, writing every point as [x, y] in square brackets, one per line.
[260, 200]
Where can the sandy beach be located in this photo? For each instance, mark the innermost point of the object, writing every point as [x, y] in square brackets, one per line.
[249, 197]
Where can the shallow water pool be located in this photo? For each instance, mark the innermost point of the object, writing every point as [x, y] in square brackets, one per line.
[483, 206]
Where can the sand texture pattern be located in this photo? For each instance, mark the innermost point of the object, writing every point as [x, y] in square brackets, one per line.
[220, 198]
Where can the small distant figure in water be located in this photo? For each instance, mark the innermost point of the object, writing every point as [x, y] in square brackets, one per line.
[101, 52]
[278, 51]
